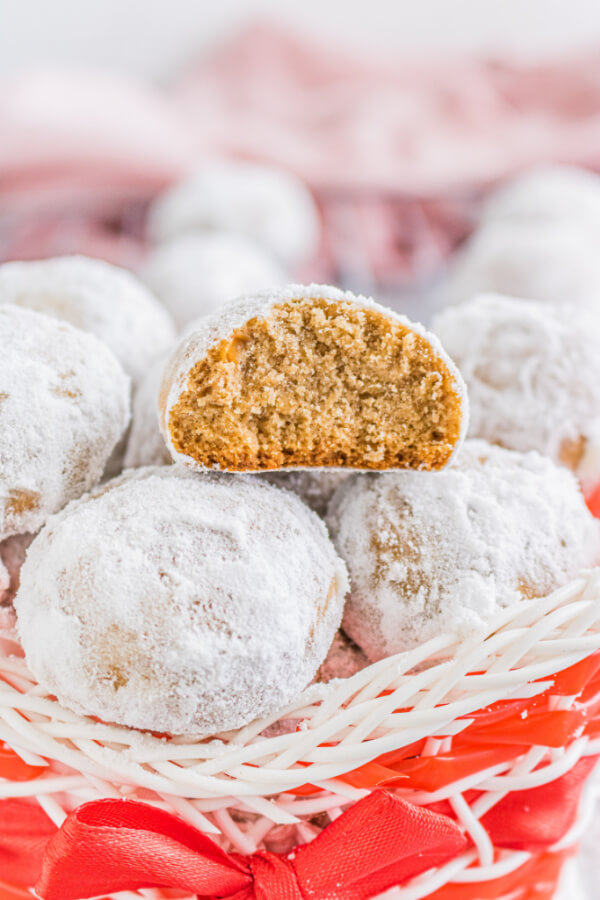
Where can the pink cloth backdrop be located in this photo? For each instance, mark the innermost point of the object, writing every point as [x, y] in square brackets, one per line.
[397, 152]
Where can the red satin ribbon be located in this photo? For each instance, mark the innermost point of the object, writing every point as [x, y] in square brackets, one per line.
[25, 830]
[114, 845]
[539, 817]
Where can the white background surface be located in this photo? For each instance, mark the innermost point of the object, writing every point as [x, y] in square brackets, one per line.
[155, 37]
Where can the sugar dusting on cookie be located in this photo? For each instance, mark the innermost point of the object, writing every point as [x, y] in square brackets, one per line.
[64, 404]
[177, 602]
[435, 552]
[533, 376]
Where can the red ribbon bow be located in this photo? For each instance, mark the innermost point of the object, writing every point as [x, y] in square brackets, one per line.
[114, 845]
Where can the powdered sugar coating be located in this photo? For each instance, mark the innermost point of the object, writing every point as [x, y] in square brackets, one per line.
[269, 205]
[97, 297]
[180, 603]
[146, 445]
[12, 556]
[533, 375]
[430, 553]
[197, 272]
[554, 262]
[315, 487]
[549, 193]
[64, 404]
[223, 323]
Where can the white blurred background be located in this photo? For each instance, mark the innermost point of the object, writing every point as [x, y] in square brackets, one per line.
[155, 37]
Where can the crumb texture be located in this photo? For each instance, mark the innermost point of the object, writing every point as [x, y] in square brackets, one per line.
[431, 553]
[64, 404]
[177, 602]
[319, 381]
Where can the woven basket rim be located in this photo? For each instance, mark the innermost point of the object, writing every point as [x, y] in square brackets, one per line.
[426, 692]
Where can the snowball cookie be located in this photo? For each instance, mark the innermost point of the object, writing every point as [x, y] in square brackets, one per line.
[267, 204]
[195, 273]
[178, 602]
[64, 404]
[12, 556]
[315, 488]
[431, 553]
[94, 296]
[311, 377]
[146, 445]
[553, 262]
[545, 194]
[533, 376]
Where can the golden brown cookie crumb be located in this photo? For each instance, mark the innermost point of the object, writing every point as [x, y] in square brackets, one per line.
[319, 382]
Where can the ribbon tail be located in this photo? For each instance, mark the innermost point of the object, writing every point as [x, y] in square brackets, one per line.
[25, 830]
[108, 846]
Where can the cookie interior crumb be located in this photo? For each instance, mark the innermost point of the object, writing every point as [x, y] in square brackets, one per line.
[319, 383]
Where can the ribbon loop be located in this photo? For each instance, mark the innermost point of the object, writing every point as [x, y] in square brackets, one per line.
[108, 846]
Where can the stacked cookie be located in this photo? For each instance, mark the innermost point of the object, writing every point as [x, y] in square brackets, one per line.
[178, 600]
[197, 596]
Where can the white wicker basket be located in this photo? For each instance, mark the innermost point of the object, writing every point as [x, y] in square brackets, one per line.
[235, 786]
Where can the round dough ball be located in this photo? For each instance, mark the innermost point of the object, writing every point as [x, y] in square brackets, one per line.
[180, 603]
[97, 297]
[146, 445]
[551, 193]
[533, 376]
[195, 273]
[12, 556]
[437, 553]
[269, 205]
[551, 262]
[64, 404]
[311, 377]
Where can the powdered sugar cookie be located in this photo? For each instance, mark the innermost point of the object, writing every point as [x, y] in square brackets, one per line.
[533, 375]
[550, 193]
[156, 602]
[431, 553]
[311, 377]
[554, 262]
[64, 404]
[270, 206]
[94, 296]
[194, 274]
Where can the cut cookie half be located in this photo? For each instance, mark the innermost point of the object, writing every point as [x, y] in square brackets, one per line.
[311, 376]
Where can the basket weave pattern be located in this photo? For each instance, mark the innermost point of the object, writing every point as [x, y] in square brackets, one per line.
[277, 782]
